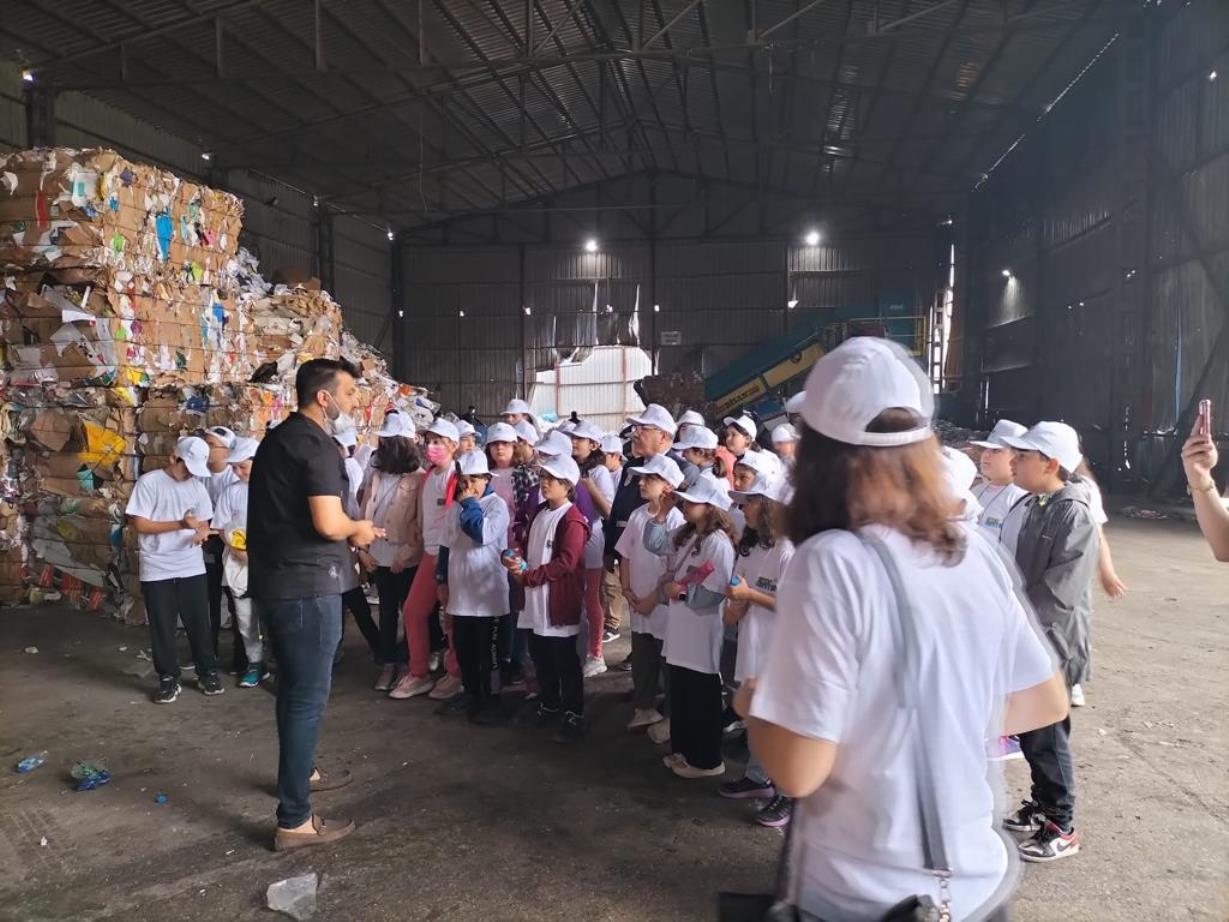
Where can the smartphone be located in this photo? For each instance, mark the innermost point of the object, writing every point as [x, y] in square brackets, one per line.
[1203, 424]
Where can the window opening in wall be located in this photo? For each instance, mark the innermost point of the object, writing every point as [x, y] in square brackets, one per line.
[941, 326]
[598, 388]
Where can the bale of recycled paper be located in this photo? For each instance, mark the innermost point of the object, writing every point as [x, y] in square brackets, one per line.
[67, 208]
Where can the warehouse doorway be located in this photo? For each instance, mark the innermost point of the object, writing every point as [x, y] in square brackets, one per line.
[599, 387]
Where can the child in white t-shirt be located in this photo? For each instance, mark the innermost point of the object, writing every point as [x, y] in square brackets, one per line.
[473, 583]
[997, 493]
[640, 575]
[699, 561]
[230, 520]
[763, 553]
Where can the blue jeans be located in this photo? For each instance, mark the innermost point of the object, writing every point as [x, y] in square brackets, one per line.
[304, 634]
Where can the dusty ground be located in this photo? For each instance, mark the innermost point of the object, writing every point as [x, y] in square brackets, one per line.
[459, 823]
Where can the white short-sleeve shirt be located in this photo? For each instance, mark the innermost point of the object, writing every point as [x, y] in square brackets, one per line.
[762, 569]
[434, 490]
[645, 569]
[159, 497]
[693, 638]
[831, 674]
[996, 501]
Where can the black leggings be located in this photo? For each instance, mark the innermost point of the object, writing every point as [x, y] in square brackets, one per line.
[560, 683]
[695, 716]
[393, 589]
[355, 601]
[474, 638]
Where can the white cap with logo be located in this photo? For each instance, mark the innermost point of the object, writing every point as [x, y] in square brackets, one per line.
[774, 488]
[444, 428]
[500, 432]
[562, 467]
[657, 417]
[194, 453]
[707, 489]
[744, 422]
[525, 431]
[663, 467]
[473, 464]
[243, 449]
[554, 445]
[784, 433]
[697, 437]
[859, 379]
[224, 435]
[764, 463]
[691, 418]
[516, 407]
[587, 429]
[612, 445]
[1002, 430]
[397, 425]
[464, 428]
[1054, 440]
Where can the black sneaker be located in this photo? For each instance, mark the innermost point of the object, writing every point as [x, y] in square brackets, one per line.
[485, 713]
[1025, 820]
[211, 683]
[1049, 844]
[168, 690]
[571, 730]
[746, 789]
[456, 706]
[610, 636]
[777, 813]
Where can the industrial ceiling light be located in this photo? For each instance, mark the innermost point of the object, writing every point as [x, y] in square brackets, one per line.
[527, 310]
[391, 235]
[1006, 273]
[1211, 75]
[656, 308]
[400, 313]
[791, 303]
[27, 75]
[460, 313]
[206, 156]
[812, 238]
[591, 245]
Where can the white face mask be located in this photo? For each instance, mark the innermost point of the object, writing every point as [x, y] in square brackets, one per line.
[336, 421]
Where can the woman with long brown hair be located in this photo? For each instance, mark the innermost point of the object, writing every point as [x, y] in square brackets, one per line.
[883, 740]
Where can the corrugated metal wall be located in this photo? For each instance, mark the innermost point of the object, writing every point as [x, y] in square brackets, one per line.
[717, 300]
[1113, 219]
[279, 220]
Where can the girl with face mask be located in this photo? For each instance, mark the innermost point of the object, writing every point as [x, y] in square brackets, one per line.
[437, 495]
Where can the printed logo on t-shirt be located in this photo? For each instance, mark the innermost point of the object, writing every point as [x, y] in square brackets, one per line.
[993, 521]
[764, 584]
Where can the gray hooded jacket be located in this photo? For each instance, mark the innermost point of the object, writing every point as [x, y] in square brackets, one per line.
[1057, 556]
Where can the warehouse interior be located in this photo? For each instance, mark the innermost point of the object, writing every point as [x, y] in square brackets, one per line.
[594, 204]
[442, 166]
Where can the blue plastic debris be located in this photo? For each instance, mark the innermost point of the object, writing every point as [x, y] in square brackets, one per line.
[29, 763]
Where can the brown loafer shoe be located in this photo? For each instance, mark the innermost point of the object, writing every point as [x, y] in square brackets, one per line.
[331, 781]
[323, 832]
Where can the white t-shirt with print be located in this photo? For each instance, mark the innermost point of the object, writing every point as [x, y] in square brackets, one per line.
[159, 497]
[693, 638]
[831, 674]
[645, 569]
[996, 501]
[595, 547]
[434, 488]
[477, 580]
[536, 614]
[762, 569]
[231, 512]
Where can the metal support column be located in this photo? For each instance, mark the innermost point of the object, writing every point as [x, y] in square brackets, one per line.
[322, 256]
[396, 309]
[40, 115]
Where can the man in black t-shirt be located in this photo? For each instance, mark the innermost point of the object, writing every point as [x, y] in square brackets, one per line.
[297, 538]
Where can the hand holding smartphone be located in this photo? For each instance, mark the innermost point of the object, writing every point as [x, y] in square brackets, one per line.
[1203, 422]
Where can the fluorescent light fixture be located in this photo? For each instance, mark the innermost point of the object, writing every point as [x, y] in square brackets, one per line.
[391, 235]
[791, 303]
[1006, 273]
[27, 76]
[1211, 75]
[656, 308]
[527, 310]
[812, 238]
[400, 313]
[206, 156]
[460, 313]
[591, 245]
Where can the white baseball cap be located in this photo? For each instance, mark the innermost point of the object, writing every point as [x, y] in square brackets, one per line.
[664, 467]
[242, 450]
[500, 432]
[397, 425]
[859, 379]
[697, 437]
[444, 428]
[960, 470]
[567, 427]
[517, 406]
[194, 452]
[347, 437]
[612, 445]
[691, 418]
[707, 489]
[562, 467]
[657, 416]
[464, 428]
[224, 435]
[764, 463]
[473, 464]
[784, 433]
[524, 431]
[1002, 430]
[794, 404]
[553, 445]
[774, 488]
[744, 422]
[1054, 440]
[586, 429]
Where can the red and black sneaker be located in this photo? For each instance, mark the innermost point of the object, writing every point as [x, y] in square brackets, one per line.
[1049, 844]
[1028, 819]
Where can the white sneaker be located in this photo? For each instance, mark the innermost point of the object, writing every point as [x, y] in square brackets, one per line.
[643, 718]
[660, 731]
[1077, 696]
[446, 689]
[685, 769]
[594, 666]
[408, 686]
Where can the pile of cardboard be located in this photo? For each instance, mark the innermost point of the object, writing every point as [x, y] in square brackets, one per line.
[129, 317]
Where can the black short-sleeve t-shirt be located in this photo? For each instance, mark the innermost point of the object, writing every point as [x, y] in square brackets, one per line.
[287, 557]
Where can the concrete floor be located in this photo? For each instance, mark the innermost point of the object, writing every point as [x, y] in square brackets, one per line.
[458, 823]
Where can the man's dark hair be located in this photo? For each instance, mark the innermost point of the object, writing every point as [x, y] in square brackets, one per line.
[320, 374]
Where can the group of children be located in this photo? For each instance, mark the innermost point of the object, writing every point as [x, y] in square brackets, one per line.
[495, 560]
